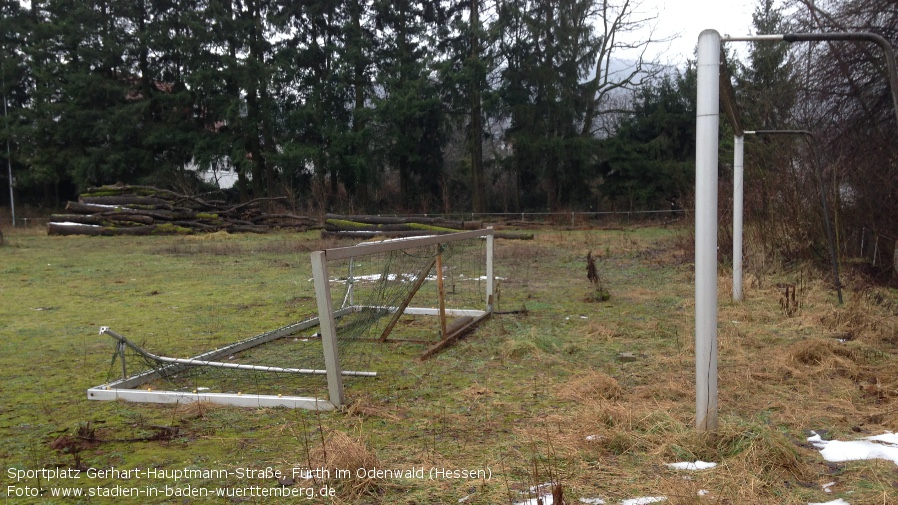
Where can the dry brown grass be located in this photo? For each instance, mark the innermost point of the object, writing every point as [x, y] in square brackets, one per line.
[592, 385]
[780, 374]
[196, 410]
[364, 406]
[347, 453]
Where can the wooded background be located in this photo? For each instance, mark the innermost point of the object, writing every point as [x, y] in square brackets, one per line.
[362, 106]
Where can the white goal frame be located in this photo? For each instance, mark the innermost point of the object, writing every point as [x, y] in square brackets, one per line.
[126, 388]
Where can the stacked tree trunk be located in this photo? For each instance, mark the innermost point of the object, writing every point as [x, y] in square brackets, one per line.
[145, 210]
[362, 227]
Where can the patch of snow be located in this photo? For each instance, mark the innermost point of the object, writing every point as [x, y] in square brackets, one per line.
[703, 492]
[593, 501]
[883, 446]
[645, 500]
[547, 500]
[375, 278]
[542, 491]
[545, 487]
[834, 502]
[698, 465]
[826, 487]
[481, 278]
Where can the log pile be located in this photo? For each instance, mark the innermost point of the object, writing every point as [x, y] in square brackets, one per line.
[145, 210]
[363, 227]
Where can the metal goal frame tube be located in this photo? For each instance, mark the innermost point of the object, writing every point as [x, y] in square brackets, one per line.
[328, 329]
[738, 210]
[394, 245]
[218, 364]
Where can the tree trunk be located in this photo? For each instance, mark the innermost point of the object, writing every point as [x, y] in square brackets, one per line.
[478, 185]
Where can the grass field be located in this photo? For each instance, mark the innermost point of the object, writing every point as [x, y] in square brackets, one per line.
[532, 397]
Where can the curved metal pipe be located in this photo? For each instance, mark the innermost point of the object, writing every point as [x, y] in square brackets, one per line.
[869, 37]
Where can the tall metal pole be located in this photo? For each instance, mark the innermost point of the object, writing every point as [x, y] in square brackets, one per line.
[708, 96]
[707, 122]
[738, 204]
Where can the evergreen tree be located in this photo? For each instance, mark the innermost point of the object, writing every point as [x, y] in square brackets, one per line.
[467, 58]
[15, 30]
[766, 92]
[547, 48]
[557, 79]
[409, 108]
[650, 161]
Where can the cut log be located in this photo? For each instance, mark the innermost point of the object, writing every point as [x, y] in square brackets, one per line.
[93, 230]
[126, 200]
[91, 208]
[73, 228]
[367, 219]
[371, 234]
[132, 218]
[76, 218]
[394, 220]
[268, 217]
[459, 329]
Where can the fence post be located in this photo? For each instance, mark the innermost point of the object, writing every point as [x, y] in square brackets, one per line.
[895, 260]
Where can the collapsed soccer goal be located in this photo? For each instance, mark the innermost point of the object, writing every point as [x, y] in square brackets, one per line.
[419, 293]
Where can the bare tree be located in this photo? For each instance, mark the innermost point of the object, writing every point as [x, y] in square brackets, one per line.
[849, 104]
[618, 24]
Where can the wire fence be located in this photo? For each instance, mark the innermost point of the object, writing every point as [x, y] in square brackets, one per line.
[570, 217]
[880, 250]
[24, 222]
[574, 217]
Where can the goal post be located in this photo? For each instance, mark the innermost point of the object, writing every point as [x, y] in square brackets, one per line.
[708, 68]
[327, 323]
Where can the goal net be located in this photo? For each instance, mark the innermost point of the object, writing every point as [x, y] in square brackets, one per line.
[425, 292]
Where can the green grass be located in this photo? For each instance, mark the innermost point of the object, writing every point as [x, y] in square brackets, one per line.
[507, 397]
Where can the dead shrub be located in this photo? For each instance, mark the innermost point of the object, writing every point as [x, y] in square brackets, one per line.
[365, 407]
[196, 410]
[817, 352]
[346, 453]
[591, 386]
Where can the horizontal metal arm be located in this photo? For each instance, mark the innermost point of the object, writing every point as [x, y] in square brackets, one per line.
[833, 36]
[218, 364]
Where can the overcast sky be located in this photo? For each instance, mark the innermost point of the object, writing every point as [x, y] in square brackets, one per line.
[686, 19]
